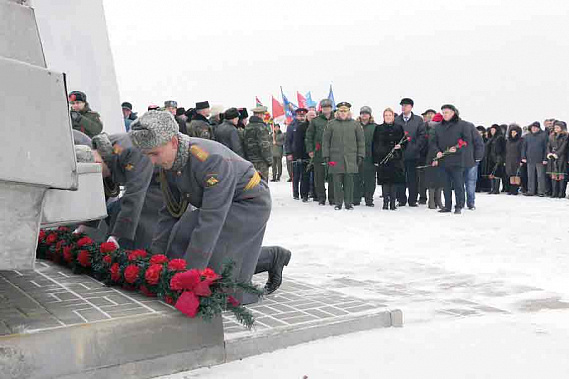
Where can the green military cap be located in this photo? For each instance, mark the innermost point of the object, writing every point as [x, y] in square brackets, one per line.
[343, 104]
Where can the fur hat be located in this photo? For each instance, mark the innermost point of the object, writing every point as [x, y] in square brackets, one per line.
[103, 145]
[153, 129]
[202, 105]
[231, 113]
[325, 103]
[78, 96]
[365, 109]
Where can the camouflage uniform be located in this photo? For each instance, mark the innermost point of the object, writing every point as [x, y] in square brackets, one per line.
[257, 146]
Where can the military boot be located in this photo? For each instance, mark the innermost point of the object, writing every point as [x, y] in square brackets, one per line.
[280, 260]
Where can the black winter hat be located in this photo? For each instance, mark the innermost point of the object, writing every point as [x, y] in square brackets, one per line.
[536, 124]
[231, 113]
[451, 107]
[202, 105]
[243, 113]
[180, 111]
[126, 105]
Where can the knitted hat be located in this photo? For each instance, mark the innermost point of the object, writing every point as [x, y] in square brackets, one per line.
[365, 109]
[153, 129]
[103, 145]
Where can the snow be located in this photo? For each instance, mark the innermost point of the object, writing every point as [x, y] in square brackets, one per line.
[483, 293]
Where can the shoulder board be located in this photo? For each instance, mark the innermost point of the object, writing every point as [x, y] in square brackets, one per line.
[199, 153]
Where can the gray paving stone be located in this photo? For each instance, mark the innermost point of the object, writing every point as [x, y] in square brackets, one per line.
[92, 315]
[283, 308]
[270, 321]
[300, 319]
[318, 313]
[334, 311]
[284, 316]
[360, 308]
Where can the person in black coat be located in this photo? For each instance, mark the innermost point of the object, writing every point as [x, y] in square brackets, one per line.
[450, 138]
[483, 184]
[434, 176]
[226, 133]
[495, 157]
[390, 173]
[557, 158]
[300, 159]
[514, 156]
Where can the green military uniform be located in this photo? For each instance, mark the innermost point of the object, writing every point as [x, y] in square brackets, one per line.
[257, 146]
[86, 121]
[278, 151]
[313, 142]
[343, 143]
[364, 180]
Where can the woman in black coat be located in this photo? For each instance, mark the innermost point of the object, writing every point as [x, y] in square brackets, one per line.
[495, 157]
[514, 156]
[390, 174]
[557, 158]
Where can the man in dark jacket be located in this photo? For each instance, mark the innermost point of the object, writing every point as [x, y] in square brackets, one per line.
[414, 127]
[257, 143]
[278, 143]
[450, 139]
[300, 158]
[199, 126]
[82, 117]
[314, 147]
[299, 116]
[472, 156]
[534, 155]
[364, 180]
[226, 133]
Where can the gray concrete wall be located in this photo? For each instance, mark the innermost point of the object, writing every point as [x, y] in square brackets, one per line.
[75, 41]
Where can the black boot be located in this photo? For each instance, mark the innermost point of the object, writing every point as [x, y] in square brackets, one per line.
[392, 205]
[281, 259]
[386, 203]
[554, 188]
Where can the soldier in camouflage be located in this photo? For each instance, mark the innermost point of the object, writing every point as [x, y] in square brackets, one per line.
[83, 118]
[257, 143]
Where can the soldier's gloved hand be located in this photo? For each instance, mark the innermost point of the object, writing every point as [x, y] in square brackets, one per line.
[113, 240]
[80, 229]
[75, 116]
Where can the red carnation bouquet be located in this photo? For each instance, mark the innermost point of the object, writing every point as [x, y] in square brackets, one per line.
[203, 293]
[450, 151]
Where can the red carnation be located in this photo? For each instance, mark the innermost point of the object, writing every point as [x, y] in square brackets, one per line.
[188, 304]
[63, 229]
[67, 254]
[146, 292]
[108, 259]
[158, 259]
[406, 133]
[42, 235]
[131, 273]
[58, 246]
[83, 258]
[409, 139]
[115, 272]
[51, 238]
[332, 164]
[209, 274]
[318, 146]
[191, 281]
[177, 265]
[233, 301]
[462, 143]
[152, 275]
[108, 247]
[135, 254]
[84, 241]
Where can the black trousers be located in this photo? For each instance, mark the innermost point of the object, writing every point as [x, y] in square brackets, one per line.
[454, 178]
[411, 182]
[300, 178]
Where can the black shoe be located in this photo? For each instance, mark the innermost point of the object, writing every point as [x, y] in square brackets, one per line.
[296, 198]
[305, 200]
[349, 207]
[323, 202]
[457, 211]
[273, 179]
[338, 207]
[392, 205]
[355, 204]
[413, 205]
[445, 210]
[289, 180]
[471, 207]
[370, 205]
[528, 194]
[541, 195]
[276, 272]
[385, 205]
[332, 204]
[422, 201]
[401, 204]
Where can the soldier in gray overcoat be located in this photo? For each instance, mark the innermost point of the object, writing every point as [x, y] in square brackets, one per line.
[343, 148]
[133, 216]
[216, 205]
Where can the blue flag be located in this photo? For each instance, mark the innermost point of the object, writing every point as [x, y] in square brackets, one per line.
[309, 101]
[331, 97]
[287, 107]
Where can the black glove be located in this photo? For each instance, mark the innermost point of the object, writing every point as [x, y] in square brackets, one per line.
[360, 161]
[75, 116]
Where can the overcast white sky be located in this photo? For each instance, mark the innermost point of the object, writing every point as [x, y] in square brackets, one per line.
[497, 61]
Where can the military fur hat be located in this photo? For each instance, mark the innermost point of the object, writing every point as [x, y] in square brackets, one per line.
[365, 109]
[170, 103]
[78, 96]
[103, 145]
[153, 129]
[231, 113]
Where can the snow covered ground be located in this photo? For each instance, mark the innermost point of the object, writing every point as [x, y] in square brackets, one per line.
[483, 293]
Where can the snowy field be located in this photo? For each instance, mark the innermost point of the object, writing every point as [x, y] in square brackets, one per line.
[483, 293]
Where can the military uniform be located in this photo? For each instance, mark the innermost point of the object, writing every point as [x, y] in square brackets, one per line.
[199, 127]
[257, 146]
[86, 121]
[343, 146]
[364, 180]
[132, 217]
[313, 141]
[230, 207]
